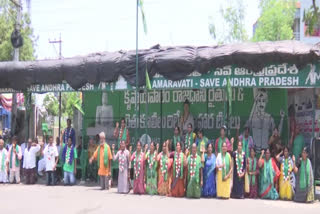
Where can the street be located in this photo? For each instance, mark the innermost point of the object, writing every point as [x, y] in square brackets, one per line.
[89, 199]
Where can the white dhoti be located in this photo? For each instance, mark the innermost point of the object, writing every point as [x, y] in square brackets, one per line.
[41, 166]
[3, 177]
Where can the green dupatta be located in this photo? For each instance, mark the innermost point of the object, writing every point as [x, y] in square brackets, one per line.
[196, 162]
[17, 160]
[226, 161]
[220, 142]
[286, 166]
[304, 181]
[267, 171]
[189, 140]
[123, 137]
[3, 160]
[164, 168]
[252, 167]
[105, 156]
[151, 172]
[245, 143]
[175, 140]
[181, 164]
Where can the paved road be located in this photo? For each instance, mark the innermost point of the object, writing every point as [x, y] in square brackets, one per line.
[85, 199]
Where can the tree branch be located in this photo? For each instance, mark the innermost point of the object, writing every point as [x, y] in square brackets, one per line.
[315, 8]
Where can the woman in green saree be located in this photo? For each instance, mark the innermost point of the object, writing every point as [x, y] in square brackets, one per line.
[304, 191]
[151, 170]
[194, 183]
[269, 175]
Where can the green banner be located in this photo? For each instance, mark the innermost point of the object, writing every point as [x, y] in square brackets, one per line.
[260, 109]
[273, 76]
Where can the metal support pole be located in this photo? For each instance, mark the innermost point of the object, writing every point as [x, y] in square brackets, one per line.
[59, 114]
[83, 133]
[161, 97]
[137, 71]
[16, 59]
[313, 141]
[147, 113]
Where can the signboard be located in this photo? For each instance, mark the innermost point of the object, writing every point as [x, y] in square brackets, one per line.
[273, 76]
[253, 107]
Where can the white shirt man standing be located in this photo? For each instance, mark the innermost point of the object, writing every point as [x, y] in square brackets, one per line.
[14, 157]
[29, 161]
[51, 157]
[3, 163]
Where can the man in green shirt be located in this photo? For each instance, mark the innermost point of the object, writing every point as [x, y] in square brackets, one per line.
[69, 158]
[297, 143]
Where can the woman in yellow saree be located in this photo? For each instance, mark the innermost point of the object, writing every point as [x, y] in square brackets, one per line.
[224, 167]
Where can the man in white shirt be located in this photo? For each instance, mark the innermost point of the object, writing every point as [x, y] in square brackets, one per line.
[51, 157]
[13, 158]
[3, 163]
[23, 147]
[29, 161]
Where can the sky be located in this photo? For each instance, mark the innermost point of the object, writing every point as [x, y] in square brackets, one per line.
[109, 25]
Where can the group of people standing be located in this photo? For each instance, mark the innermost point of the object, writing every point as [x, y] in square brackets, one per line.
[193, 166]
[15, 159]
[188, 165]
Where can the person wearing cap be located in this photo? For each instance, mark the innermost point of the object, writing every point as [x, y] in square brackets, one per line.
[103, 156]
[223, 139]
[304, 191]
[186, 118]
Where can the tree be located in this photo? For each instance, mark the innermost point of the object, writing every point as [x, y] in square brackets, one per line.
[276, 20]
[51, 103]
[233, 17]
[69, 101]
[311, 17]
[7, 23]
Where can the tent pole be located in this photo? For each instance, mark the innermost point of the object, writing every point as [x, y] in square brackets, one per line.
[147, 113]
[161, 96]
[137, 73]
[59, 114]
[313, 141]
[83, 133]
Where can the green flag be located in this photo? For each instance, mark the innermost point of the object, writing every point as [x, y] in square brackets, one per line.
[143, 16]
[148, 83]
[229, 94]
